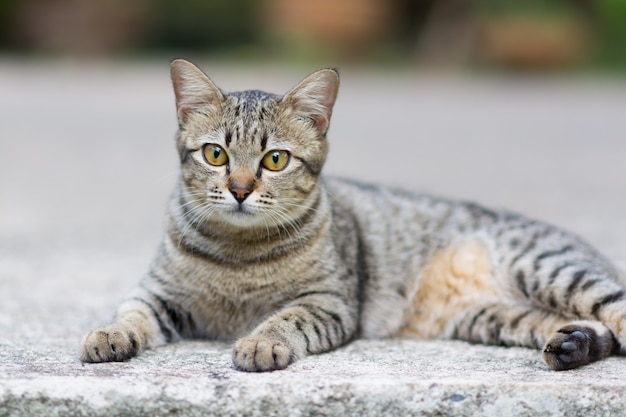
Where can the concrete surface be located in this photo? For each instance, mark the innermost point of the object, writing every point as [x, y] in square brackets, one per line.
[87, 162]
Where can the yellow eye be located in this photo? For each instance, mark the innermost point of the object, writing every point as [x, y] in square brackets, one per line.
[215, 154]
[275, 160]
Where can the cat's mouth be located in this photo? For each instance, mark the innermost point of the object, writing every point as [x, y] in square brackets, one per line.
[241, 209]
[241, 213]
[243, 216]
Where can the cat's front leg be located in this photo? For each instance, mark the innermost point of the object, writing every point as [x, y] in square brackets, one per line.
[136, 328]
[312, 324]
[268, 349]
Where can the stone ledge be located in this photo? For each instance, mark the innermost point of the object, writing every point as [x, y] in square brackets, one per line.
[366, 377]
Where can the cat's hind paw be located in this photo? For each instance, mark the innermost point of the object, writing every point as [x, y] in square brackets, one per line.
[259, 354]
[577, 345]
[111, 344]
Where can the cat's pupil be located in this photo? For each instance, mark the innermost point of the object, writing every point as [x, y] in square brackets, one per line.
[275, 157]
[216, 153]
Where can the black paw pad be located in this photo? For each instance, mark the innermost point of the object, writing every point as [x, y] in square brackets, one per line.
[570, 347]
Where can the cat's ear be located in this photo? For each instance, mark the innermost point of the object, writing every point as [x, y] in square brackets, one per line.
[314, 98]
[194, 91]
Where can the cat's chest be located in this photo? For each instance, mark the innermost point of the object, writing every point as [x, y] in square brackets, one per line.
[228, 299]
[248, 281]
[229, 302]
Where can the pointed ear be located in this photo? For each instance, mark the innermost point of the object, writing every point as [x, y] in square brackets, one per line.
[314, 98]
[193, 89]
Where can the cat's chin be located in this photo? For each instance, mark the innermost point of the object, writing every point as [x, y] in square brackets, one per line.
[244, 218]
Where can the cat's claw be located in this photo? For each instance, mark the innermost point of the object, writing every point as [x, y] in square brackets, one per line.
[258, 354]
[111, 344]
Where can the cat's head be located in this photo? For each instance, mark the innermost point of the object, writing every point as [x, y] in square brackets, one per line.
[251, 159]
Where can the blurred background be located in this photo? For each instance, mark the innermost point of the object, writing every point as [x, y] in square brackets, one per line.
[518, 104]
[504, 34]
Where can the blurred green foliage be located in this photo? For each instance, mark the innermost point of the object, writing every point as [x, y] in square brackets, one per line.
[611, 16]
[215, 25]
[8, 9]
[535, 7]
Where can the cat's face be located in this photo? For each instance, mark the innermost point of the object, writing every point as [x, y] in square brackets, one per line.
[251, 159]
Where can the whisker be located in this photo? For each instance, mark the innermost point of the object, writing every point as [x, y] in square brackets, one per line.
[198, 216]
[280, 219]
[288, 221]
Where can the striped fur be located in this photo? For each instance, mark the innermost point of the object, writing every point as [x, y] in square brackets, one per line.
[286, 263]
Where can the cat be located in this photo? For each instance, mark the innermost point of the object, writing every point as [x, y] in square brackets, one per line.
[262, 250]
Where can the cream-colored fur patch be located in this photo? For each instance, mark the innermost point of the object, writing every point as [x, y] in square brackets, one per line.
[452, 280]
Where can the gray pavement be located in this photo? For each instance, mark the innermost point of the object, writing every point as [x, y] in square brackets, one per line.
[86, 165]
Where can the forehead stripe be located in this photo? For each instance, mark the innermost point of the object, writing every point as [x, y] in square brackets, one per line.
[228, 136]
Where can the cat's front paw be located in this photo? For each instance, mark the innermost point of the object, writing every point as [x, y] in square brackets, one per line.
[113, 343]
[261, 354]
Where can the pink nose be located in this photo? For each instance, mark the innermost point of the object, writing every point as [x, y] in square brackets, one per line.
[240, 192]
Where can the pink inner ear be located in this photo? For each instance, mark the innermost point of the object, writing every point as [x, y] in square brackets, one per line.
[320, 103]
[314, 98]
[185, 104]
[183, 112]
[321, 123]
[193, 90]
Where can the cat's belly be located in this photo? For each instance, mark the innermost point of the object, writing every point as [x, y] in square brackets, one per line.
[451, 280]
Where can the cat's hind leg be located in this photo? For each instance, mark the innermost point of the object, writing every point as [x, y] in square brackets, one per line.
[558, 272]
[460, 296]
[566, 344]
[577, 344]
[599, 303]
[578, 284]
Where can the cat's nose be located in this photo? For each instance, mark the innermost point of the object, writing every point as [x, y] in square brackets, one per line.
[240, 192]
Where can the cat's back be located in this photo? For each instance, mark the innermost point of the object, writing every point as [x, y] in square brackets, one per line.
[405, 220]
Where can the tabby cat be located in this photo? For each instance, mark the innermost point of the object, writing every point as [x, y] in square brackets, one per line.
[259, 249]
